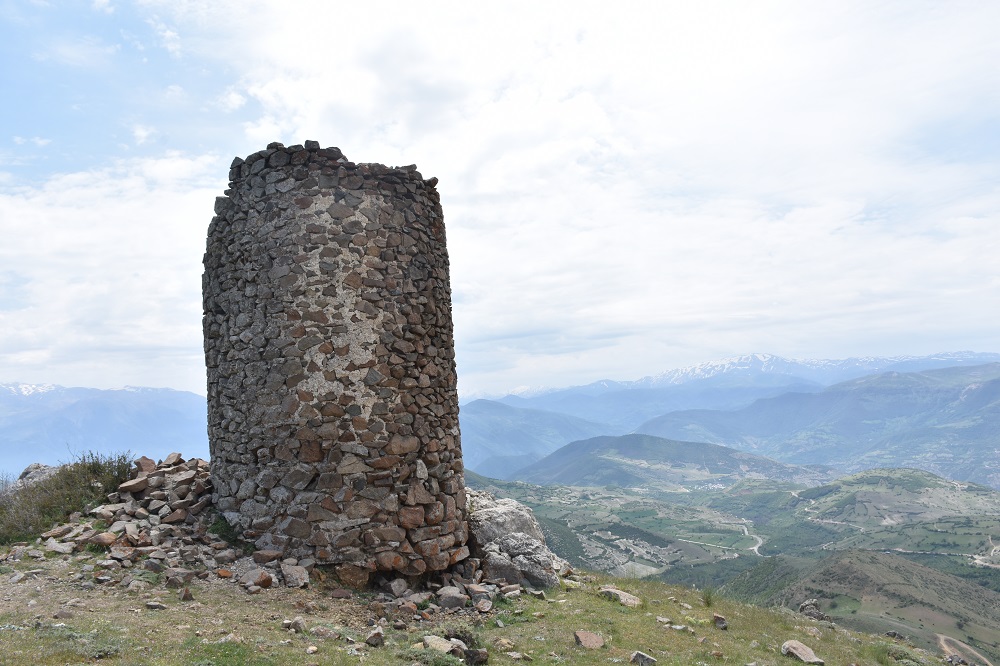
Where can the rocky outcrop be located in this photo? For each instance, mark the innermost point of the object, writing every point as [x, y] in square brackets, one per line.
[33, 473]
[810, 608]
[490, 518]
[508, 539]
[333, 409]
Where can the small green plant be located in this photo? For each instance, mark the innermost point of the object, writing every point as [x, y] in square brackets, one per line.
[222, 529]
[708, 596]
[880, 653]
[147, 577]
[92, 645]
[428, 658]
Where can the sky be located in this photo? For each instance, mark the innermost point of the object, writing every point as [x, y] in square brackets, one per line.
[627, 187]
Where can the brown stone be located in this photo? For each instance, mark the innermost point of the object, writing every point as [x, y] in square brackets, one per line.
[258, 577]
[434, 513]
[134, 486]
[296, 527]
[390, 561]
[362, 508]
[458, 554]
[145, 465]
[384, 462]
[411, 517]
[176, 516]
[402, 444]
[418, 494]
[588, 640]
[265, 556]
[353, 576]
[311, 451]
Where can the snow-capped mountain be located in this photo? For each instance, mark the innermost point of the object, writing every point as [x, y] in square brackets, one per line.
[728, 383]
[823, 371]
[16, 388]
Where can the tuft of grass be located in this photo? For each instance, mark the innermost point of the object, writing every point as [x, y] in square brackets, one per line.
[68, 642]
[428, 658]
[708, 596]
[222, 529]
[86, 481]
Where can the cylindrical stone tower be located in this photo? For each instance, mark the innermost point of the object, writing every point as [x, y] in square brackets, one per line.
[333, 410]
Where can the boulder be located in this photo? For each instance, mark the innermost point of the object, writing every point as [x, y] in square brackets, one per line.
[506, 537]
[33, 473]
[642, 659]
[800, 651]
[295, 576]
[810, 608]
[588, 640]
[491, 518]
[624, 598]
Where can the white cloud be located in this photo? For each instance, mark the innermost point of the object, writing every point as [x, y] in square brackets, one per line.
[86, 51]
[637, 189]
[231, 100]
[36, 140]
[108, 274]
[169, 38]
[103, 6]
[141, 134]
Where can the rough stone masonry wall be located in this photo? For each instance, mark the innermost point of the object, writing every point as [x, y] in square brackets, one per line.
[333, 411]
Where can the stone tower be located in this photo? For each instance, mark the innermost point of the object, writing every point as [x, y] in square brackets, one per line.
[333, 410]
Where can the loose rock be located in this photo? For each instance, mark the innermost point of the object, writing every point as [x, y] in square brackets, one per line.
[588, 640]
[801, 652]
[642, 659]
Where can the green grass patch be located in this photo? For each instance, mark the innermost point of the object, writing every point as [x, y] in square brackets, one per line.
[39, 506]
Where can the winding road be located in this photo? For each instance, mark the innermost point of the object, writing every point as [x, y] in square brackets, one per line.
[951, 645]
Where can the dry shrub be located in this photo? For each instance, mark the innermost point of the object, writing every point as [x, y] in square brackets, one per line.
[26, 512]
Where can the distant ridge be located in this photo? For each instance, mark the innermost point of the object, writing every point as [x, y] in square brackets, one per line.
[821, 371]
[52, 424]
[942, 420]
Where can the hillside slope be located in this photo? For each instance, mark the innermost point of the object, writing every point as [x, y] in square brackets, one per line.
[874, 591]
[643, 460]
[498, 439]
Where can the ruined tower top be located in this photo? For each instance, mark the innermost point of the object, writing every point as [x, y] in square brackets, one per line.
[333, 410]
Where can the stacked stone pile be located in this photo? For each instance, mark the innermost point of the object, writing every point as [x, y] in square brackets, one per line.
[145, 511]
[157, 522]
[333, 409]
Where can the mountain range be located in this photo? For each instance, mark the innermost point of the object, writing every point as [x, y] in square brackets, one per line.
[53, 424]
[663, 404]
[945, 421]
[724, 402]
